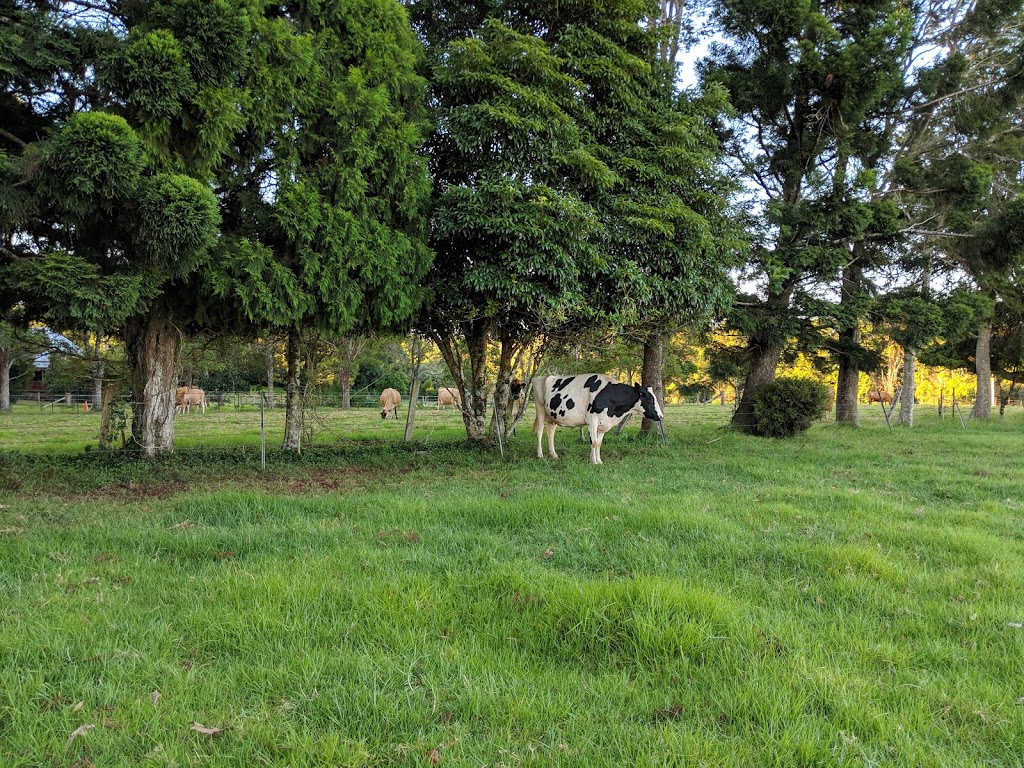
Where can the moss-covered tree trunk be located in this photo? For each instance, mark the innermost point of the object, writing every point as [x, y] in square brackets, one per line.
[293, 393]
[153, 346]
[983, 369]
[651, 375]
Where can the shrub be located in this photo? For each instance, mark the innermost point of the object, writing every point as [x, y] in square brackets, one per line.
[787, 407]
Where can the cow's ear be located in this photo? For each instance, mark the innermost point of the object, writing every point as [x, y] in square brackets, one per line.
[638, 387]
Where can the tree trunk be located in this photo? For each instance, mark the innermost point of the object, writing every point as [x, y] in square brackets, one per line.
[153, 345]
[764, 359]
[651, 373]
[346, 390]
[6, 361]
[348, 348]
[905, 415]
[764, 352]
[503, 387]
[270, 373]
[848, 383]
[474, 395]
[473, 389]
[96, 368]
[293, 393]
[983, 368]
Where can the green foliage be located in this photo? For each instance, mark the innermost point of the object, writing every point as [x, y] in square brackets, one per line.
[325, 201]
[788, 406]
[92, 166]
[151, 72]
[67, 374]
[176, 224]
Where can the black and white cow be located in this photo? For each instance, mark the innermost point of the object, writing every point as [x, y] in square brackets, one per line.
[590, 399]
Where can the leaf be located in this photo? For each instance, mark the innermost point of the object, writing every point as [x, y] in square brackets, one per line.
[434, 757]
[156, 697]
[77, 707]
[79, 731]
[548, 554]
[200, 728]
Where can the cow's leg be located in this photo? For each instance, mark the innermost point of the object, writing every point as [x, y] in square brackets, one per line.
[595, 446]
[551, 439]
[539, 429]
[595, 442]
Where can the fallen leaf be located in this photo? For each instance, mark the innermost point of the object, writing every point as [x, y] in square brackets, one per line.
[200, 728]
[974, 617]
[77, 707]
[227, 554]
[113, 725]
[434, 757]
[186, 523]
[1015, 624]
[79, 731]
[155, 695]
[548, 553]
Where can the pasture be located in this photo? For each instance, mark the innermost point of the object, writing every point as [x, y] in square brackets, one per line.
[845, 598]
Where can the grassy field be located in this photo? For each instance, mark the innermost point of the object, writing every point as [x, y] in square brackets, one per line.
[849, 597]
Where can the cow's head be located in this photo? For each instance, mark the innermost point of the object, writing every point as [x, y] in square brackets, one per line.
[383, 413]
[647, 404]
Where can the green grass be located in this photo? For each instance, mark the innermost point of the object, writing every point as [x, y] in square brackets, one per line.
[843, 598]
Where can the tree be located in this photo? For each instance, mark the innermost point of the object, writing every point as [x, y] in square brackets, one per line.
[123, 114]
[512, 238]
[325, 232]
[958, 169]
[804, 79]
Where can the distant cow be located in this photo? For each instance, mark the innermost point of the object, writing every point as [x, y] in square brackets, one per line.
[449, 396]
[390, 399]
[597, 401]
[179, 399]
[185, 398]
[878, 396]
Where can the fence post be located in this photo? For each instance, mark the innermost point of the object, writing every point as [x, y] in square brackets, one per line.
[263, 434]
[410, 416]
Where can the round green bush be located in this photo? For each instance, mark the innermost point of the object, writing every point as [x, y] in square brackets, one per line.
[787, 407]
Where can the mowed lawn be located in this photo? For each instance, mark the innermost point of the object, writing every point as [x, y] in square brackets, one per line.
[849, 597]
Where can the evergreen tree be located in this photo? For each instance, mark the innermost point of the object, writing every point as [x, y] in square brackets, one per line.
[805, 78]
[324, 199]
[121, 116]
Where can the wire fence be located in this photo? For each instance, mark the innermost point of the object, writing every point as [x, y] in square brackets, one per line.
[41, 423]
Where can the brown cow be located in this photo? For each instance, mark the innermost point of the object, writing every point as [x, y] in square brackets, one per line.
[878, 396]
[185, 399]
[449, 396]
[390, 399]
[179, 399]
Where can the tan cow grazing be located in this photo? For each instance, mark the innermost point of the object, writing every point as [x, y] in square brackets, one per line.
[194, 397]
[878, 396]
[447, 396]
[179, 399]
[390, 399]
